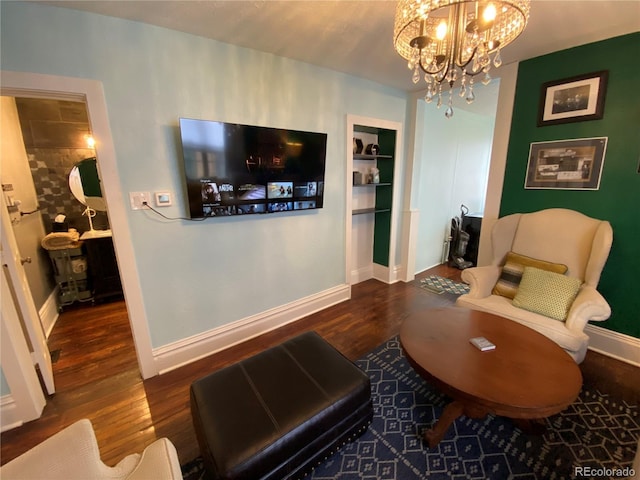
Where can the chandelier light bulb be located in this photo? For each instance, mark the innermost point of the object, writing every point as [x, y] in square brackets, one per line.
[441, 31]
[489, 13]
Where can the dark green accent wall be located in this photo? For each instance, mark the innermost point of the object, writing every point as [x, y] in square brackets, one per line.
[384, 198]
[618, 199]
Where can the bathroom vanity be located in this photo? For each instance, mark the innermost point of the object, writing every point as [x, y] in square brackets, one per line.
[103, 267]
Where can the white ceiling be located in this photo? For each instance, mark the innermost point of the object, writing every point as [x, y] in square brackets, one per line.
[355, 37]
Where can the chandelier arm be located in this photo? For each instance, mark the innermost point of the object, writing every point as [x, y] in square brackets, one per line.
[455, 38]
[425, 70]
[457, 53]
[447, 65]
[463, 67]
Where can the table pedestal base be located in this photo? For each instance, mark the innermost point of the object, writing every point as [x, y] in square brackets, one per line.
[456, 409]
[533, 426]
[451, 412]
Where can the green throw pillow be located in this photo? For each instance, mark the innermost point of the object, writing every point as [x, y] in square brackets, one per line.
[547, 293]
[507, 284]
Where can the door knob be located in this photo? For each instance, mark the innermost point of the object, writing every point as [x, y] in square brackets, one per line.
[25, 260]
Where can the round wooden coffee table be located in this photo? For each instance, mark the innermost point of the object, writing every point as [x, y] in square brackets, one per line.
[526, 377]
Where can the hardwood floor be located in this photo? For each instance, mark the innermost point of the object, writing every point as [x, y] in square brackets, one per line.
[97, 374]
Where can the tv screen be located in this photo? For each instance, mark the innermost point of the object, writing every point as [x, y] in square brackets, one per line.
[233, 169]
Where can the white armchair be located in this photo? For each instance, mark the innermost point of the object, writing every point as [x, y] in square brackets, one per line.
[555, 235]
[73, 454]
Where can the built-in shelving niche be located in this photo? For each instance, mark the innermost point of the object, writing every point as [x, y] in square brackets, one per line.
[372, 203]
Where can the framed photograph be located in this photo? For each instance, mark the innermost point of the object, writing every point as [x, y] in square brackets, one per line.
[566, 164]
[574, 99]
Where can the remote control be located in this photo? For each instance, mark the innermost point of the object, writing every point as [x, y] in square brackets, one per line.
[482, 344]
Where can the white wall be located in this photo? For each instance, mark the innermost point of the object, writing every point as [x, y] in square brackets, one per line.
[28, 229]
[195, 277]
[451, 164]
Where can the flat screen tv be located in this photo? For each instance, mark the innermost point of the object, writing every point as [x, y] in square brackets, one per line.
[233, 169]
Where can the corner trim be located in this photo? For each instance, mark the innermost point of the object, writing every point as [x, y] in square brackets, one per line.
[188, 350]
[613, 344]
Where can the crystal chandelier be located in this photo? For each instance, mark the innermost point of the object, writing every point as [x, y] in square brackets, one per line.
[451, 41]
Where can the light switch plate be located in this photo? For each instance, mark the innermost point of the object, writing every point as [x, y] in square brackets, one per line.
[163, 199]
[138, 199]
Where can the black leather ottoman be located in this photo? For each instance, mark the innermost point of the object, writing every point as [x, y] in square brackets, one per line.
[280, 412]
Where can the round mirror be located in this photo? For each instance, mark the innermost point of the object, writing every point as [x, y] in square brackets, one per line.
[84, 183]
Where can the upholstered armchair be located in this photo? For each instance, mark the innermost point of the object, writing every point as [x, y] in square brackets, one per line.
[73, 454]
[544, 272]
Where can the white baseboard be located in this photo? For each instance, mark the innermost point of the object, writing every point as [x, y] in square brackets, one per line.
[386, 274]
[379, 272]
[362, 274]
[169, 357]
[49, 312]
[174, 355]
[613, 344]
[9, 415]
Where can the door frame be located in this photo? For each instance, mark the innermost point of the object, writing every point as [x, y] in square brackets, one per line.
[25, 84]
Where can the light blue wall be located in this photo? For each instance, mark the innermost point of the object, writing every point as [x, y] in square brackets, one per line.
[4, 386]
[197, 276]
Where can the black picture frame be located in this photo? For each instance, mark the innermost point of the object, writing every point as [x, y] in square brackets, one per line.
[574, 99]
[566, 164]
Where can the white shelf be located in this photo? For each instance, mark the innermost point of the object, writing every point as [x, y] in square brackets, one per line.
[364, 156]
[385, 184]
[364, 211]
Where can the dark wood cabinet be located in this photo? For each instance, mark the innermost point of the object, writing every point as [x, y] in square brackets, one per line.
[103, 269]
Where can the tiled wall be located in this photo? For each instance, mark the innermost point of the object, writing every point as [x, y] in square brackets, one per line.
[54, 133]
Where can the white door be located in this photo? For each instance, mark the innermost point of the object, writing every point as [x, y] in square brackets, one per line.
[24, 300]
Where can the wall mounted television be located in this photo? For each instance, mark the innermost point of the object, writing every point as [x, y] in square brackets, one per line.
[233, 169]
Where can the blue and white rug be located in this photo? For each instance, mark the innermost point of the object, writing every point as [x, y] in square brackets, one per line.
[437, 284]
[596, 432]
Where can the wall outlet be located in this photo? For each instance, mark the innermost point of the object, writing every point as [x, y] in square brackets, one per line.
[138, 200]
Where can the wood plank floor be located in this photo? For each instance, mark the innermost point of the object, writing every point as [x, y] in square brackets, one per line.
[97, 375]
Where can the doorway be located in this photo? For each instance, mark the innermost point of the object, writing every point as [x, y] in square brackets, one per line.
[50, 139]
[18, 84]
[452, 169]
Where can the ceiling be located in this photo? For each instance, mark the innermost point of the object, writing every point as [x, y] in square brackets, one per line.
[355, 37]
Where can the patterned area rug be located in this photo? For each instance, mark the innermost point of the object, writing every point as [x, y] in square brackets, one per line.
[596, 432]
[437, 284]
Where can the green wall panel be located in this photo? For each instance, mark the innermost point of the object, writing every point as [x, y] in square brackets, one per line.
[618, 198]
[384, 198]
[381, 238]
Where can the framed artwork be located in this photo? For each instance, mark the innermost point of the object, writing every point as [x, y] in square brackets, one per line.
[574, 99]
[566, 164]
